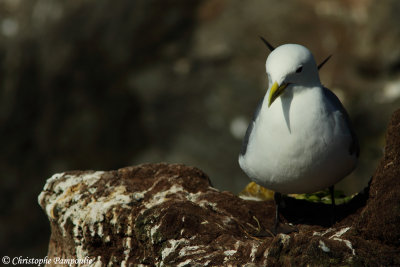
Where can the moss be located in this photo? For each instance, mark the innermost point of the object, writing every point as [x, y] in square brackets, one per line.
[144, 223]
[325, 197]
[158, 237]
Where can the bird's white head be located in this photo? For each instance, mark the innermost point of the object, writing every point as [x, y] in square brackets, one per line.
[290, 65]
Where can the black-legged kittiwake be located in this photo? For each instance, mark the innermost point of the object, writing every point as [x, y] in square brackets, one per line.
[301, 139]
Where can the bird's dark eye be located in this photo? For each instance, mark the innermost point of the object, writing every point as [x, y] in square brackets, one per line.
[299, 69]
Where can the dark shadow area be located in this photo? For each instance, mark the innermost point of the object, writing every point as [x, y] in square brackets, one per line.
[298, 211]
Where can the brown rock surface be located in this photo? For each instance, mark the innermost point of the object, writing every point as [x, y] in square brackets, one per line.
[160, 214]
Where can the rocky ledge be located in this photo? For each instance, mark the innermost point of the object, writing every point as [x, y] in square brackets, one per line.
[161, 214]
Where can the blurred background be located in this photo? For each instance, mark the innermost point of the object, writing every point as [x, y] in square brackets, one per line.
[101, 84]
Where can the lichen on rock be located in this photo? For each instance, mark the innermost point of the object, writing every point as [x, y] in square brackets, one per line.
[169, 214]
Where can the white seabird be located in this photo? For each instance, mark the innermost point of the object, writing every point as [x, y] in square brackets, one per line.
[301, 139]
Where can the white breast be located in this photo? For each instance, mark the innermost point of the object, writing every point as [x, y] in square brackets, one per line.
[303, 150]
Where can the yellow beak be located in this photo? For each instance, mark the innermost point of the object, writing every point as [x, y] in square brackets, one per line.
[276, 90]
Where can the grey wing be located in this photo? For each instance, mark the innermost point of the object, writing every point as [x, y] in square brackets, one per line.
[250, 129]
[354, 146]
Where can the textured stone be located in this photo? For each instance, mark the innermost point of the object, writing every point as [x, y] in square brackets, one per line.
[169, 214]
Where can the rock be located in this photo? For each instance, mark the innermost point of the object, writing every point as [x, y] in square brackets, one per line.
[169, 214]
[150, 214]
[380, 220]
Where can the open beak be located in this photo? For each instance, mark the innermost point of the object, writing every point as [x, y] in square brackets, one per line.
[276, 90]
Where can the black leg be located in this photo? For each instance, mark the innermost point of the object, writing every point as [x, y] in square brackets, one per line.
[278, 227]
[277, 198]
[333, 215]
